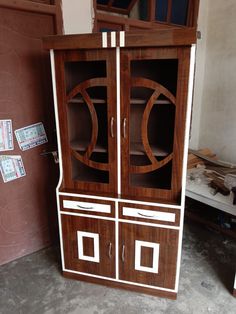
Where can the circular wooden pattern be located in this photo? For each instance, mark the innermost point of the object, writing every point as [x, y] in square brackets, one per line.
[81, 89]
[158, 90]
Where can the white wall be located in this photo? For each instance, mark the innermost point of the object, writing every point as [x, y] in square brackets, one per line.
[77, 16]
[199, 74]
[218, 108]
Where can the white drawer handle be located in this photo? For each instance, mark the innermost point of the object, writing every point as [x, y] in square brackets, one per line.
[151, 216]
[84, 207]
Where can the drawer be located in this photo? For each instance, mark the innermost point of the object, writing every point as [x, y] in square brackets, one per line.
[146, 213]
[87, 206]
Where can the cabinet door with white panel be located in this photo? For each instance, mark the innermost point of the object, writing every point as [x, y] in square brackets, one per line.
[148, 255]
[89, 245]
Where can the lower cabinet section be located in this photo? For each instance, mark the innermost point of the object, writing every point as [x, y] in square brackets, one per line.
[89, 245]
[148, 255]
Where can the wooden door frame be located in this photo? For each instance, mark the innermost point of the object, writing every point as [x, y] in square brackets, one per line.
[38, 7]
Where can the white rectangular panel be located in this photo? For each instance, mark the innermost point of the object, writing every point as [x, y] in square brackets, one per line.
[149, 214]
[155, 261]
[104, 39]
[113, 39]
[92, 207]
[95, 258]
[122, 39]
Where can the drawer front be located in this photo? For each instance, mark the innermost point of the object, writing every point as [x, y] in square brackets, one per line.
[87, 206]
[145, 213]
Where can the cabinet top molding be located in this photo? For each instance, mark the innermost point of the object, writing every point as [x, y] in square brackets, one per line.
[153, 38]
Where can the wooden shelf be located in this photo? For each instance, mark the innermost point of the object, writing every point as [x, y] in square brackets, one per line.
[81, 146]
[133, 101]
[137, 149]
[78, 100]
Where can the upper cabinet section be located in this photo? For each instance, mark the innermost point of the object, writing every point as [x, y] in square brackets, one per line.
[122, 112]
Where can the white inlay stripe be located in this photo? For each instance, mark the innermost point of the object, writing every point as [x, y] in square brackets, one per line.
[122, 39]
[80, 235]
[155, 261]
[104, 39]
[149, 214]
[113, 39]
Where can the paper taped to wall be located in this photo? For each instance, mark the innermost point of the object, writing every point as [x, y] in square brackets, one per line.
[6, 136]
[31, 136]
[11, 168]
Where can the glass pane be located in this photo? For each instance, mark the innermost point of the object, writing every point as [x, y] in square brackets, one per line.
[80, 71]
[158, 179]
[161, 10]
[163, 72]
[152, 122]
[81, 172]
[87, 115]
[179, 12]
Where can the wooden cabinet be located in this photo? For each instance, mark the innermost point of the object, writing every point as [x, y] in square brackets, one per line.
[121, 110]
[148, 255]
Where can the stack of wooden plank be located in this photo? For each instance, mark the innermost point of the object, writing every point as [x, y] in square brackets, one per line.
[215, 170]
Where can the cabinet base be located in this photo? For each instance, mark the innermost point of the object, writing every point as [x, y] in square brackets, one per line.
[234, 293]
[120, 285]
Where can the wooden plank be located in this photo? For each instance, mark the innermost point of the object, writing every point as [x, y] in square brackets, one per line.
[30, 6]
[154, 38]
[213, 161]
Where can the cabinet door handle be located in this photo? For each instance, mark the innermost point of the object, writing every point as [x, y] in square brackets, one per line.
[84, 207]
[112, 127]
[123, 253]
[110, 250]
[124, 127]
[151, 216]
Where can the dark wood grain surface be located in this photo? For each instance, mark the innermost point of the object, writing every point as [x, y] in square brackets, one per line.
[105, 230]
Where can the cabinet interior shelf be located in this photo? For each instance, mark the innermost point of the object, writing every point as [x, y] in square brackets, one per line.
[133, 101]
[135, 149]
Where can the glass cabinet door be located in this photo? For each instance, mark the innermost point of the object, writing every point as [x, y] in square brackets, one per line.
[88, 120]
[152, 122]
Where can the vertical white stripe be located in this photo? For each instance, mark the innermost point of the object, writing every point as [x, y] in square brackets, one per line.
[185, 159]
[118, 119]
[59, 152]
[104, 39]
[113, 39]
[122, 39]
[235, 282]
[117, 240]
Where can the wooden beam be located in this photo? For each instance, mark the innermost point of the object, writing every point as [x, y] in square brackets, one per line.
[133, 23]
[152, 10]
[25, 5]
[58, 17]
[169, 11]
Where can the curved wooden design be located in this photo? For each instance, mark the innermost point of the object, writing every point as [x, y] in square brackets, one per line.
[81, 89]
[98, 81]
[90, 163]
[158, 90]
[152, 166]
